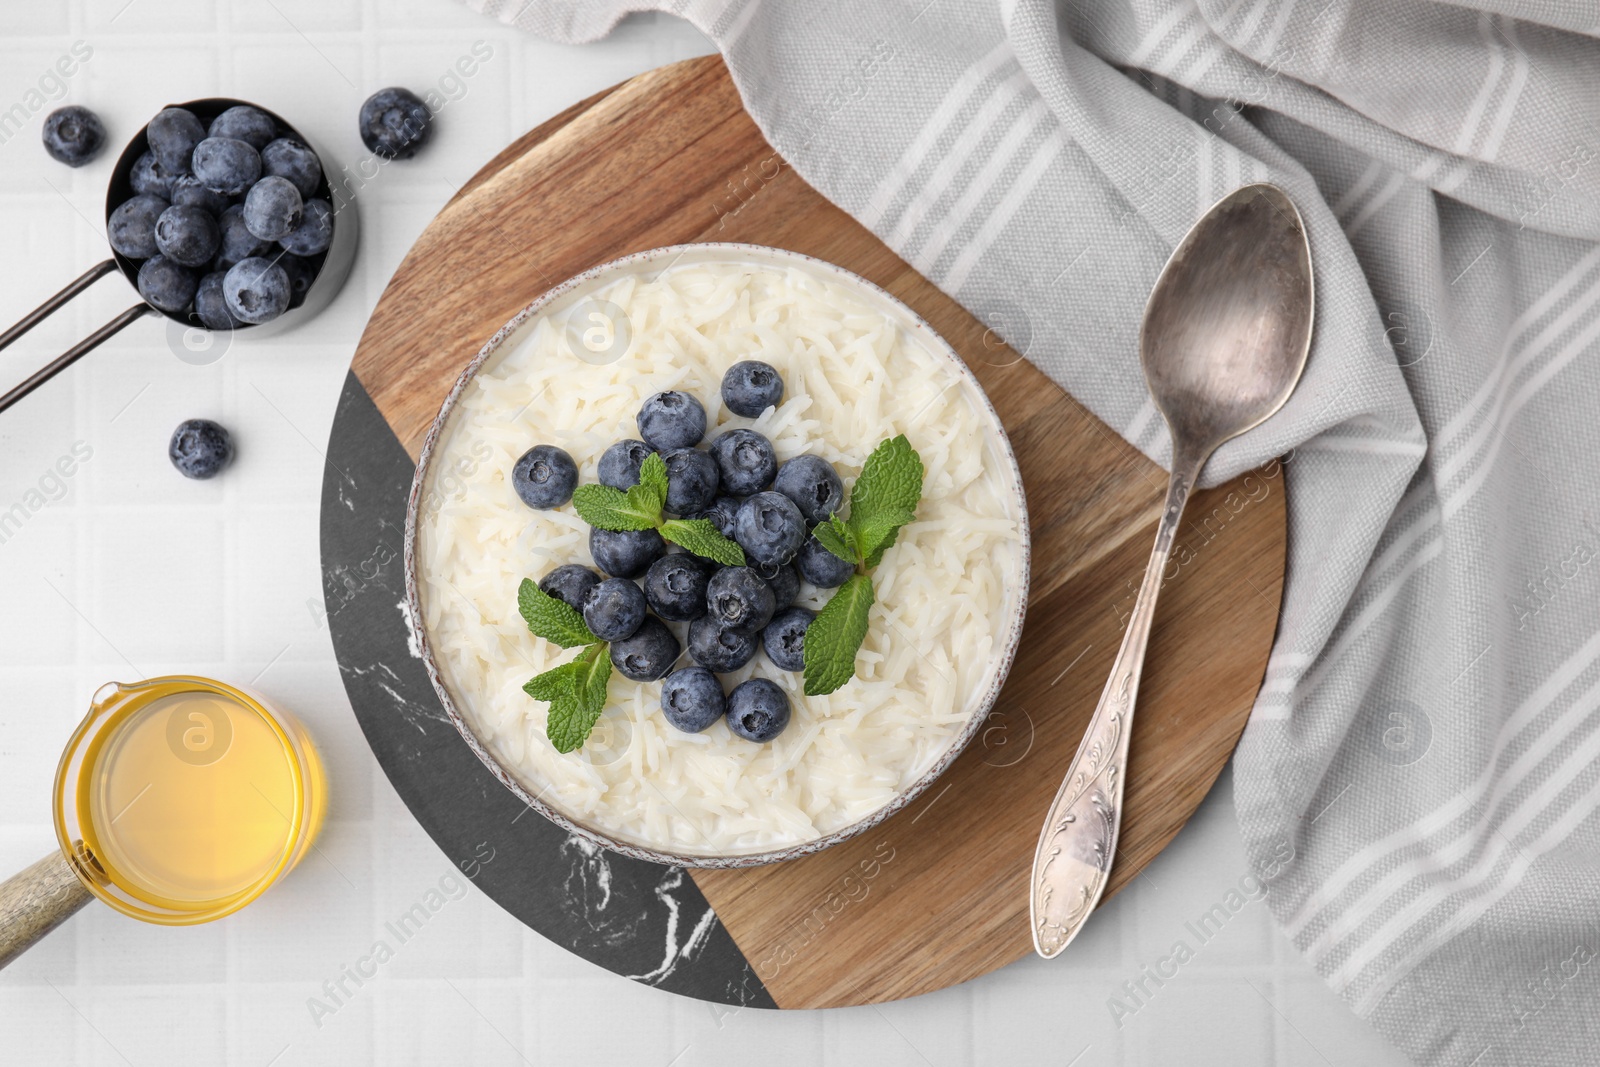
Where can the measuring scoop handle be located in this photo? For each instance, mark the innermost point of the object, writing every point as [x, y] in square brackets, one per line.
[37, 901]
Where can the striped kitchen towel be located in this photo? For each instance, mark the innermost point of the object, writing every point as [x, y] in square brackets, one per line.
[1420, 775]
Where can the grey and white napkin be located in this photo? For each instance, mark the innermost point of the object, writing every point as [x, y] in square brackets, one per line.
[1420, 774]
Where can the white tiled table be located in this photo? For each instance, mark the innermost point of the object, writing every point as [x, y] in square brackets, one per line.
[134, 570]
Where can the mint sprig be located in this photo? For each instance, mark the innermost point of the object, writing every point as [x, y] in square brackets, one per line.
[883, 500]
[554, 620]
[639, 508]
[576, 691]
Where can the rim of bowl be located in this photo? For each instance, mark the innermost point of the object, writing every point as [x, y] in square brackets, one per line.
[729, 251]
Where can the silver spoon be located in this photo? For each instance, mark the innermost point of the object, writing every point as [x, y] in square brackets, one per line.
[1224, 339]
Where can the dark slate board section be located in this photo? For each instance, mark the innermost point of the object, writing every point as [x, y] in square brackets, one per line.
[641, 920]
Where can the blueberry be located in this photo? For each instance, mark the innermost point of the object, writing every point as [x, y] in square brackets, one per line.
[315, 232]
[132, 226]
[751, 387]
[149, 178]
[648, 654]
[569, 584]
[820, 567]
[814, 486]
[723, 513]
[784, 582]
[73, 135]
[625, 553]
[613, 609]
[273, 208]
[167, 285]
[394, 123]
[257, 290]
[544, 477]
[226, 165]
[199, 448]
[187, 190]
[238, 243]
[675, 585]
[691, 480]
[745, 460]
[244, 123]
[719, 649]
[302, 272]
[758, 710]
[672, 420]
[619, 464]
[211, 305]
[290, 158]
[691, 699]
[172, 135]
[769, 528]
[187, 235]
[785, 639]
[739, 600]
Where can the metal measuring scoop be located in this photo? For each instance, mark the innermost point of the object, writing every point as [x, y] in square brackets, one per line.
[1223, 343]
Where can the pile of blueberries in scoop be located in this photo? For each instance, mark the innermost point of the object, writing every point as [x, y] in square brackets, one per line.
[226, 218]
[737, 483]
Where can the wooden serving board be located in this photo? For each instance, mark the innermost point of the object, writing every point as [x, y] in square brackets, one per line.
[937, 894]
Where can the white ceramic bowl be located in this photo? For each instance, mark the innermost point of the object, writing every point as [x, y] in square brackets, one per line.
[916, 331]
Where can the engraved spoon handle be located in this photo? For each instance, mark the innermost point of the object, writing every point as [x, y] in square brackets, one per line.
[1079, 839]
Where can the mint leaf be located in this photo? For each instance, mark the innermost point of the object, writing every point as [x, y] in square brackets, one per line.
[653, 478]
[573, 713]
[612, 509]
[702, 537]
[836, 536]
[553, 684]
[550, 618]
[876, 533]
[835, 636]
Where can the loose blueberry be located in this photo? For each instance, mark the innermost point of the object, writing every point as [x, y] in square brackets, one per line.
[150, 178]
[691, 480]
[273, 208]
[187, 190]
[569, 584]
[132, 226]
[758, 710]
[315, 232]
[244, 123]
[544, 477]
[167, 285]
[173, 134]
[719, 649]
[211, 305]
[745, 461]
[675, 585]
[394, 123]
[200, 448]
[257, 290]
[290, 158]
[73, 135]
[226, 165]
[619, 464]
[739, 600]
[814, 486]
[625, 553]
[751, 387]
[784, 581]
[238, 243]
[691, 699]
[672, 420]
[302, 272]
[769, 528]
[723, 513]
[785, 639]
[613, 609]
[648, 654]
[187, 235]
[820, 567]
